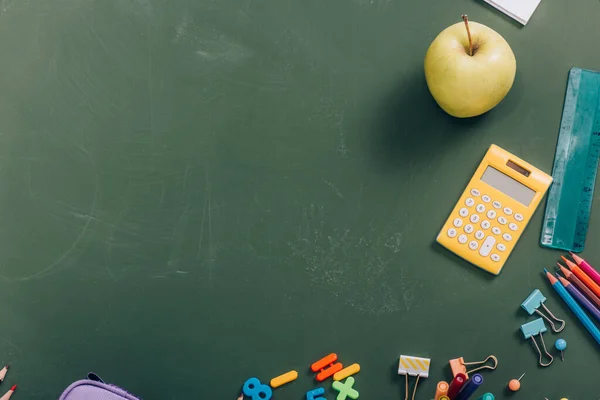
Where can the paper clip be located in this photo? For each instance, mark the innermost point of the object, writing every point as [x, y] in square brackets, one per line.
[458, 365]
[532, 304]
[413, 366]
[532, 329]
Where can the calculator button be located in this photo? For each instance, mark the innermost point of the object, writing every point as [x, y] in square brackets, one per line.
[495, 257]
[485, 224]
[463, 212]
[479, 235]
[474, 218]
[451, 232]
[501, 247]
[480, 208]
[487, 246]
[508, 211]
[475, 192]
[469, 202]
[462, 239]
[518, 217]
[486, 198]
[491, 214]
[468, 228]
[473, 245]
[457, 222]
[502, 220]
[496, 230]
[507, 237]
[512, 226]
[497, 205]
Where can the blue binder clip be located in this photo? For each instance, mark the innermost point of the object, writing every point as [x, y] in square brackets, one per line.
[530, 331]
[532, 304]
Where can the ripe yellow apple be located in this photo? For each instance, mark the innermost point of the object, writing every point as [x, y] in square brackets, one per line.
[469, 69]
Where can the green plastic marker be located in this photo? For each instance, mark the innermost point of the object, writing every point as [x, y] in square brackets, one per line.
[487, 396]
[575, 164]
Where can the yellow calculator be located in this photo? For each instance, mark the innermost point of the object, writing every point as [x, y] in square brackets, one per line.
[494, 209]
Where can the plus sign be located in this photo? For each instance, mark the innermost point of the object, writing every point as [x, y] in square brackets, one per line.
[345, 389]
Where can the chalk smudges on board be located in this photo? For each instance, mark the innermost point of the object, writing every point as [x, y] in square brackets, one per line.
[352, 265]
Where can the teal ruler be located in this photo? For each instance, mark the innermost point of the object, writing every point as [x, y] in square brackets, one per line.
[575, 164]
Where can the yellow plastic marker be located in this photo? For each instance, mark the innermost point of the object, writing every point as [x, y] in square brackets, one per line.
[346, 372]
[283, 379]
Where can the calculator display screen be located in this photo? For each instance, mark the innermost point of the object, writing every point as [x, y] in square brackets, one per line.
[508, 185]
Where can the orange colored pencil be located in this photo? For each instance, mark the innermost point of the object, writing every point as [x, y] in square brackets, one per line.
[581, 275]
[580, 285]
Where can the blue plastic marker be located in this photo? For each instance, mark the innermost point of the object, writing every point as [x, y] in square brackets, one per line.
[575, 308]
[487, 396]
[469, 387]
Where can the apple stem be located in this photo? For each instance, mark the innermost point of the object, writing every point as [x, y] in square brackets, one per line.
[466, 19]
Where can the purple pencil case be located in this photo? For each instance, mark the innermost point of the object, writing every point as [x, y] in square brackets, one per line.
[94, 388]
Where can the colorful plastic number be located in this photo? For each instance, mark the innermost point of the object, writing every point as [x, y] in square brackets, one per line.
[258, 391]
[326, 367]
[345, 389]
[315, 394]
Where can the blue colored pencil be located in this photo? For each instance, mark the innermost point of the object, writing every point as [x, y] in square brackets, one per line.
[575, 308]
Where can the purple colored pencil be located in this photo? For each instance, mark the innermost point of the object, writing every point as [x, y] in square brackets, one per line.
[580, 297]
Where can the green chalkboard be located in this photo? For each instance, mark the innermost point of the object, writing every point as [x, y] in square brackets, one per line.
[199, 191]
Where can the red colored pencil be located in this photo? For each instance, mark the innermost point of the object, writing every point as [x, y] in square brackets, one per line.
[589, 282]
[9, 393]
[587, 268]
[580, 285]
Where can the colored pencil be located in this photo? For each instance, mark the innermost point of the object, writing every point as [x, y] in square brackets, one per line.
[580, 285]
[581, 299]
[9, 393]
[575, 308]
[587, 268]
[589, 282]
[241, 397]
[3, 372]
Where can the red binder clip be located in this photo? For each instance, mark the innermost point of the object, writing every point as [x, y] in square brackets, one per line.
[326, 367]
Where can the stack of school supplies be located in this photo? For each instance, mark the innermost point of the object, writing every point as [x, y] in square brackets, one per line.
[462, 387]
[579, 288]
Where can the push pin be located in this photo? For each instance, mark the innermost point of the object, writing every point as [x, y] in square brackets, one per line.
[561, 345]
[532, 329]
[532, 304]
[459, 366]
[413, 366]
[515, 384]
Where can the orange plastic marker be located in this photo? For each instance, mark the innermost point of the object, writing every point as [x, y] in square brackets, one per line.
[441, 389]
[284, 378]
[326, 366]
[346, 372]
[589, 282]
